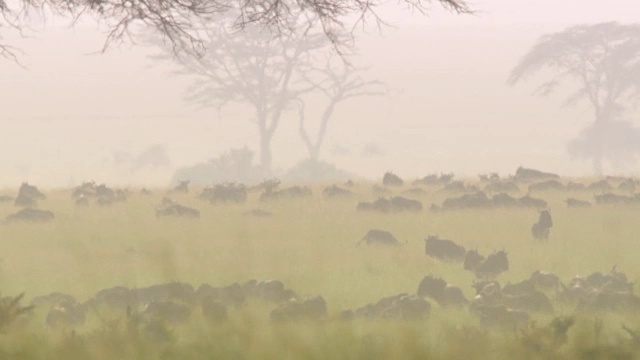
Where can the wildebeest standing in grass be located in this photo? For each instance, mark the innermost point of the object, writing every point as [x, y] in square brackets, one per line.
[391, 179]
[443, 249]
[379, 237]
[472, 259]
[540, 230]
[493, 265]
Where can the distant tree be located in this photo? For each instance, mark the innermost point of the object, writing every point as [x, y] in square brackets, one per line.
[255, 67]
[338, 81]
[603, 60]
[178, 20]
[272, 73]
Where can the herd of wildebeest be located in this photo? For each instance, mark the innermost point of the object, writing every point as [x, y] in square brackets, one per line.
[510, 305]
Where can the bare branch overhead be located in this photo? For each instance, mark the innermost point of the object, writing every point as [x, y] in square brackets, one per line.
[175, 19]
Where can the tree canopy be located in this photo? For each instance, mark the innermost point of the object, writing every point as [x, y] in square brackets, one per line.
[602, 62]
[176, 19]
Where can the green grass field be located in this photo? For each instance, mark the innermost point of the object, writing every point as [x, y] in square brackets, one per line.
[309, 244]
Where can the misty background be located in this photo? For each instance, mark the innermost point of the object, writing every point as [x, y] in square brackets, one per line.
[73, 115]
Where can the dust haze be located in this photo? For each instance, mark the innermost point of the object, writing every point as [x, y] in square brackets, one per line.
[72, 115]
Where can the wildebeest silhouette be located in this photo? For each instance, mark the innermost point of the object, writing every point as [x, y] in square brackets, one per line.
[524, 174]
[472, 259]
[540, 230]
[577, 203]
[379, 237]
[223, 193]
[443, 249]
[395, 204]
[334, 191]
[441, 292]
[294, 309]
[391, 179]
[493, 265]
[402, 306]
[177, 210]
[30, 215]
[546, 186]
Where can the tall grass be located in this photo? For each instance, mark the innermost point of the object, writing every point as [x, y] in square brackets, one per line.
[310, 245]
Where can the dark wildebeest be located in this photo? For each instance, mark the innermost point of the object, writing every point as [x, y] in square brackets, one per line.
[379, 237]
[444, 294]
[32, 215]
[31, 191]
[576, 203]
[443, 249]
[178, 210]
[493, 265]
[294, 309]
[472, 260]
[540, 230]
[391, 179]
[335, 191]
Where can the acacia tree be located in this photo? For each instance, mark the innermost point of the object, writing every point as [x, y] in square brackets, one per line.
[338, 81]
[175, 19]
[272, 73]
[603, 61]
[253, 66]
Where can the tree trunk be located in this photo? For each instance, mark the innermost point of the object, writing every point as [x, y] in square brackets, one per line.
[265, 143]
[598, 153]
[265, 151]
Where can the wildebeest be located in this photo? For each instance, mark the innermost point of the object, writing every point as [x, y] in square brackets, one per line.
[546, 186]
[311, 308]
[335, 191]
[459, 186]
[23, 200]
[223, 193]
[609, 198]
[472, 259]
[30, 215]
[401, 306]
[540, 230]
[501, 187]
[576, 203]
[66, 315]
[441, 292]
[493, 265]
[531, 202]
[379, 237]
[178, 210]
[468, 201]
[523, 174]
[444, 249]
[504, 200]
[213, 310]
[31, 191]
[288, 193]
[545, 281]
[395, 204]
[391, 179]
[271, 290]
[601, 185]
[434, 179]
[232, 294]
[168, 311]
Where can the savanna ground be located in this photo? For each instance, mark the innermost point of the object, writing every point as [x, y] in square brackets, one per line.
[309, 244]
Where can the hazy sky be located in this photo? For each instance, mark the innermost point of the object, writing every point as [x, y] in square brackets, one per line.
[65, 116]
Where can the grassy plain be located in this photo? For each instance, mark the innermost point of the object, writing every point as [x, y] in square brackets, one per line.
[309, 244]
